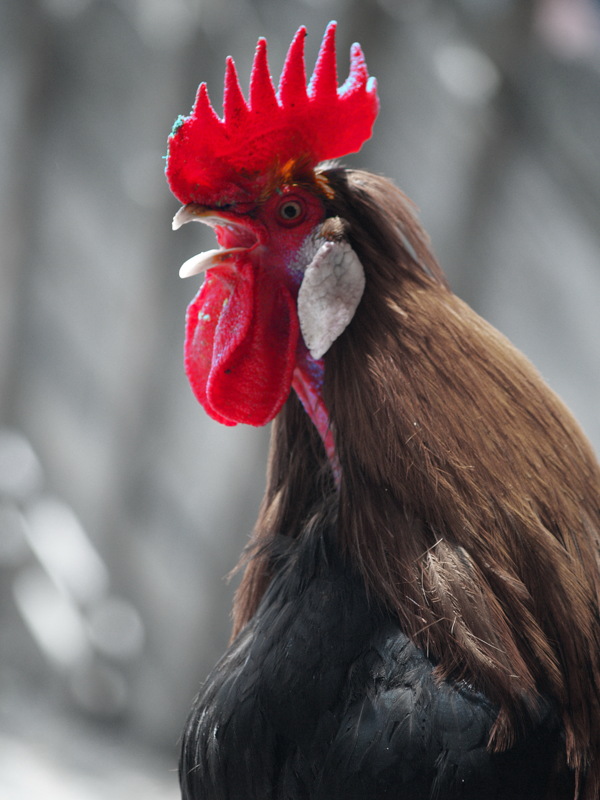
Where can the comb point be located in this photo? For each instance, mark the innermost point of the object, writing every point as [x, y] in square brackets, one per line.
[292, 84]
[358, 76]
[262, 92]
[203, 110]
[234, 103]
[324, 80]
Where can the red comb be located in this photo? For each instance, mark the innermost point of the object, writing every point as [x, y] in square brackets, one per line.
[234, 155]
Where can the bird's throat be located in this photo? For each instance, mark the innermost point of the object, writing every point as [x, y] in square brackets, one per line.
[307, 382]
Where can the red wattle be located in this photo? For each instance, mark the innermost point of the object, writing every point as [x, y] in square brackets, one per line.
[240, 347]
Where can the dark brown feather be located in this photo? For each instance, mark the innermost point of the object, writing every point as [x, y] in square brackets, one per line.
[469, 498]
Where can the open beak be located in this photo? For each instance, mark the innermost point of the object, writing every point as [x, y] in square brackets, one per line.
[238, 238]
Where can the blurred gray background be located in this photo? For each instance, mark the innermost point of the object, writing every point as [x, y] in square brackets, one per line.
[122, 506]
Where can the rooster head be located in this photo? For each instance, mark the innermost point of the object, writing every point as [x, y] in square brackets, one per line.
[278, 289]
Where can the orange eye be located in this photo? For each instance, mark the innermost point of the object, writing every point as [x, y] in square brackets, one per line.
[291, 212]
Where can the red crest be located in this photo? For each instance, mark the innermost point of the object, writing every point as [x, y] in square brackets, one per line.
[231, 158]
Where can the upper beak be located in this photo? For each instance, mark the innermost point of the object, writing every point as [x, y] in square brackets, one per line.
[194, 212]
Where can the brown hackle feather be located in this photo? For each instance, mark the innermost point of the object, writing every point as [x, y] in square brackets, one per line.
[469, 498]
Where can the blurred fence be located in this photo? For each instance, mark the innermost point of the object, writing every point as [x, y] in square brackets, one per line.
[121, 505]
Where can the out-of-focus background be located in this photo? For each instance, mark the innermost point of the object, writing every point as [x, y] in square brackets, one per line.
[122, 506]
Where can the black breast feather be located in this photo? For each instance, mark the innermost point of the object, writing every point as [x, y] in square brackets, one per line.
[322, 696]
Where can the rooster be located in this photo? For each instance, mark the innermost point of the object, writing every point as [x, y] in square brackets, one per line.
[419, 611]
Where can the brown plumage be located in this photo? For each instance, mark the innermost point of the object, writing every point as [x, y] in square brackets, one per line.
[469, 500]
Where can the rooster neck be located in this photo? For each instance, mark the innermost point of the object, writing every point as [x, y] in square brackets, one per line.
[307, 382]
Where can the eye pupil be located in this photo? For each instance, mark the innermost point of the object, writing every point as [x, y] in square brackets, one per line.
[290, 210]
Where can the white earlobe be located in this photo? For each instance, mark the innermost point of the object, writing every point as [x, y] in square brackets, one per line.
[330, 292]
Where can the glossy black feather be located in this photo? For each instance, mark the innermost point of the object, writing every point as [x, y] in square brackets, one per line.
[322, 696]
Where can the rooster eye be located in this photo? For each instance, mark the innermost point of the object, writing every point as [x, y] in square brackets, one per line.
[290, 211]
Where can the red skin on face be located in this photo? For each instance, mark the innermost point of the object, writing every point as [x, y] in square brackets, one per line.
[242, 328]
